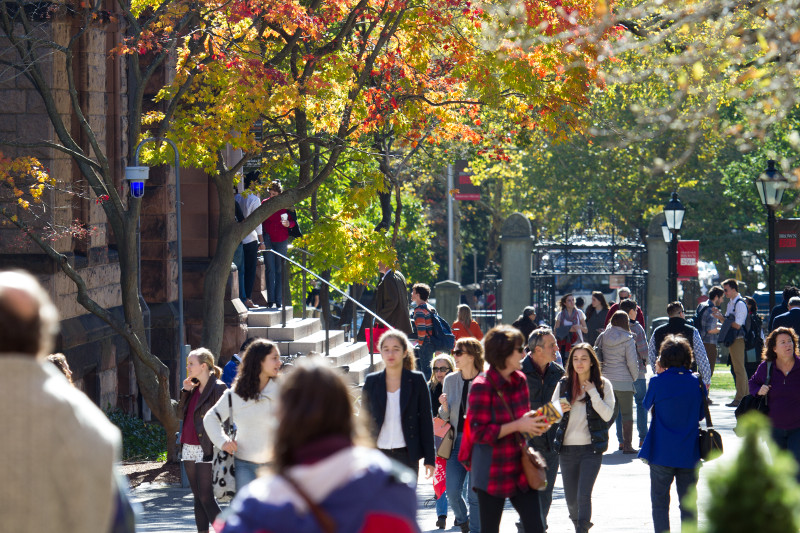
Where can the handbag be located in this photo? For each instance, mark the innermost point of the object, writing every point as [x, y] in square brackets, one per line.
[754, 403]
[534, 465]
[710, 440]
[443, 437]
[223, 470]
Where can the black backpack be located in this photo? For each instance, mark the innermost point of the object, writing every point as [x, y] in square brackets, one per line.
[697, 321]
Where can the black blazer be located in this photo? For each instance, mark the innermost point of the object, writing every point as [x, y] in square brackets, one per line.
[416, 416]
[391, 301]
[791, 319]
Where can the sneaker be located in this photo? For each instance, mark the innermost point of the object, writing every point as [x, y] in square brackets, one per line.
[620, 446]
[440, 522]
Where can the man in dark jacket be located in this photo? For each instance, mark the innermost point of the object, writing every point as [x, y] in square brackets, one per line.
[790, 319]
[783, 307]
[542, 373]
[391, 299]
[677, 325]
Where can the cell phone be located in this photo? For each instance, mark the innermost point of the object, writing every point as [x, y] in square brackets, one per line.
[195, 381]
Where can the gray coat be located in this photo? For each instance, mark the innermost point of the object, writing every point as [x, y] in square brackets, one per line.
[619, 360]
[453, 385]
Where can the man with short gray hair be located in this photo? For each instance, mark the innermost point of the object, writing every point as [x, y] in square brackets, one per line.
[58, 448]
[623, 293]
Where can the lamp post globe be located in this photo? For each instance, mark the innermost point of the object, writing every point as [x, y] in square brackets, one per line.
[673, 212]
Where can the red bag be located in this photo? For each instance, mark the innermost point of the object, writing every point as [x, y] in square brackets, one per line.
[378, 330]
[467, 442]
[439, 482]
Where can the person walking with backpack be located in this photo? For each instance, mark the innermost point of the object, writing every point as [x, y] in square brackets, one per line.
[587, 399]
[707, 324]
[423, 321]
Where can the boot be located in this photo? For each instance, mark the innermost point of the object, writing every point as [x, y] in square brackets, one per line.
[441, 521]
[582, 527]
[627, 437]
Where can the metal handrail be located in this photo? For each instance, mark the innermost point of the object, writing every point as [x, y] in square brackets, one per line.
[330, 285]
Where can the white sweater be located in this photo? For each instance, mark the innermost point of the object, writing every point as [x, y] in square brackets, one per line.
[255, 423]
[577, 433]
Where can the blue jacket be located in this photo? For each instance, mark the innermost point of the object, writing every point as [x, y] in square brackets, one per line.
[678, 403]
[790, 319]
[416, 416]
[230, 370]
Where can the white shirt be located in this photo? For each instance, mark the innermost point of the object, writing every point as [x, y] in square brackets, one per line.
[577, 433]
[739, 310]
[391, 435]
[249, 204]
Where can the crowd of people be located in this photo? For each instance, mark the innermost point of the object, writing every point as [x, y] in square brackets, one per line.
[305, 462]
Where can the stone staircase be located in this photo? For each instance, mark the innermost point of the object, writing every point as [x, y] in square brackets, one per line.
[304, 335]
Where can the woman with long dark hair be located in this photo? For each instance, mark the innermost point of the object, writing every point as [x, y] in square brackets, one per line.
[587, 399]
[252, 404]
[782, 357]
[468, 353]
[596, 316]
[399, 403]
[202, 388]
[323, 480]
[499, 416]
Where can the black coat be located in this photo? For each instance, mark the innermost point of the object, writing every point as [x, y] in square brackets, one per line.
[791, 319]
[391, 301]
[540, 392]
[416, 416]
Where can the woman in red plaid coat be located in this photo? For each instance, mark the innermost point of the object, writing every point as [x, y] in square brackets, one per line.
[496, 431]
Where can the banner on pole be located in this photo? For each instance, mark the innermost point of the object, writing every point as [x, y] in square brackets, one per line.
[786, 231]
[688, 255]
[463, 182]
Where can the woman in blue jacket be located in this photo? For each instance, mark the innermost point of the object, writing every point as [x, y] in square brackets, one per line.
[671, 446]
[399, 401]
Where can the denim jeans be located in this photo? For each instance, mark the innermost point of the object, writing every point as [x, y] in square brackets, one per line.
[579, 469]
[546, 495]
[788, 439]
[441, 504]
[660, 482]
[425, 355]
[458, 487]
[245, 472]
[238, 260]
[274, 272]
[639, 390]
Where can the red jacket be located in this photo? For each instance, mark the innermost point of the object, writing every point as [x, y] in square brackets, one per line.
[273, 228]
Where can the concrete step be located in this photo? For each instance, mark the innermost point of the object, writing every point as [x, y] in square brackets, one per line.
[360, 368]
[295, 330]
[315, 342]
[346, 353]
[263, 317]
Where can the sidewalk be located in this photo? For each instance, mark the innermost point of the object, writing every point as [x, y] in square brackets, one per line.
[621, 498]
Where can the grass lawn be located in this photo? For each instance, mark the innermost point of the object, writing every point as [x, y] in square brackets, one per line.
[722, 380]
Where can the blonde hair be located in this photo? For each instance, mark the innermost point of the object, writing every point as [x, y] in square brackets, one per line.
[205, 357]
[409, 361]
[447, 358]
[464, 314]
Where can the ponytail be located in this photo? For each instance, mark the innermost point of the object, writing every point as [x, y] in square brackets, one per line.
[204, 356]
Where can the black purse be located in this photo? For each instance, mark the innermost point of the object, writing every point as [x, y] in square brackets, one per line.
[710, 440]
[754, 402]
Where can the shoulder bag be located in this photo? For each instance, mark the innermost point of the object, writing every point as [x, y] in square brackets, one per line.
[442, 437]
[755, 402]
[323, 518]
[534, 465]
[223, 471]
[710, 440]
[727, 333]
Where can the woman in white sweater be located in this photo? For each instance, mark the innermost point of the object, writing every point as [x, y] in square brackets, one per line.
[587, 399]
[252, 408]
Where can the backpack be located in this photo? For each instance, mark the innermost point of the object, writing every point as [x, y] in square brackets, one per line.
[697, 321]
[442, 336]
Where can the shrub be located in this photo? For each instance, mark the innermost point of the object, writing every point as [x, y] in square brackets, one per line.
[140, 441]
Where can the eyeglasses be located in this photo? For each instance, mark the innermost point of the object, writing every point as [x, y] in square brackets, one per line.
[441, 369]
[458, 352]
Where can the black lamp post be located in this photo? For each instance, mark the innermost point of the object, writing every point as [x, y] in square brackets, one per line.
[770, 186]
[673, 212]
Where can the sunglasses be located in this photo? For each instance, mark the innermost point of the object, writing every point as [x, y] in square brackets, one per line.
[458, 351]
[441, 369]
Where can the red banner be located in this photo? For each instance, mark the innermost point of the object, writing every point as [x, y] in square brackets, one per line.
[463, 182]
[786, 233]
[688, 256]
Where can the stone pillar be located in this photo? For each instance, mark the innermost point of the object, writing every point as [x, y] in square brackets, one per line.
[516, 245]
[448, 296]
[658, 271]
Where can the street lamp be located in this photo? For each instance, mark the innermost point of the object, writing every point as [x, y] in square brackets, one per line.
[770, 186]
[673, 212]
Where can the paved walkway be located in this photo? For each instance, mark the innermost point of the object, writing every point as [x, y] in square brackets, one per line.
[621, 498]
